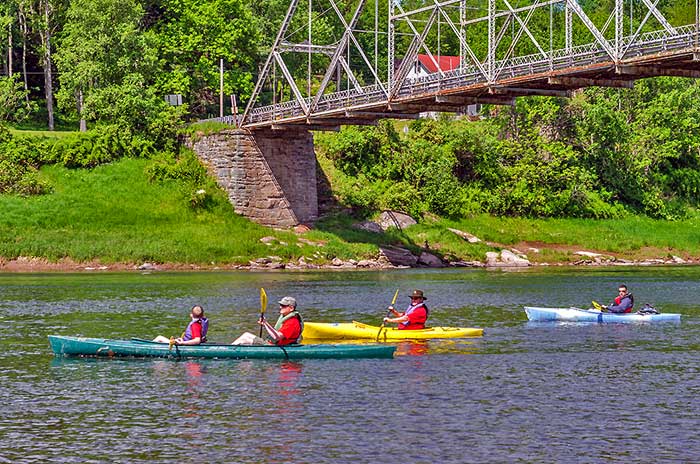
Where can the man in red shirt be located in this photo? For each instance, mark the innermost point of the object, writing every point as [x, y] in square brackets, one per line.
[415, 315]
[286, 331]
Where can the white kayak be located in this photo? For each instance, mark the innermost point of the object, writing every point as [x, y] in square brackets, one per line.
[593, 315]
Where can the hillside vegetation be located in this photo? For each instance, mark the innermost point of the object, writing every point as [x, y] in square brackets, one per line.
[616, 171]
[122, 213]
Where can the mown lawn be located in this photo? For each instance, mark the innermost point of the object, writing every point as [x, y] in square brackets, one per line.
[41, 133]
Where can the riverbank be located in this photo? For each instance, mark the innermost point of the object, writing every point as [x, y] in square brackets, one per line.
[115, 218]
[24, 264]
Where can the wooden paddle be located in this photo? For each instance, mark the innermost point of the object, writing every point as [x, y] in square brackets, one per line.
[393, 300]
[263, 305]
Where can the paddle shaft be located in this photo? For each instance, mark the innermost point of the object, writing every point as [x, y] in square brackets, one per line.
[388, 311]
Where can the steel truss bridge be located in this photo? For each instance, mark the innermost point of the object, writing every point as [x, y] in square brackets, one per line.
[506, 49]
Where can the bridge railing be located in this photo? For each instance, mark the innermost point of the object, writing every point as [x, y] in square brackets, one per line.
[519, 66]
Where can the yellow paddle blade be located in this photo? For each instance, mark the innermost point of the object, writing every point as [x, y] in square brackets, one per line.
[171, 343]
[263, 300]
[597, 305]
[395, 295]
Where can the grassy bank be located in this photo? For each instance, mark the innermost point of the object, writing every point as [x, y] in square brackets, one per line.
[632, 238]
[114, 214]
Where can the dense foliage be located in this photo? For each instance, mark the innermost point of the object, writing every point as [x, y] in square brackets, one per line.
[600, 154]
[109, 64]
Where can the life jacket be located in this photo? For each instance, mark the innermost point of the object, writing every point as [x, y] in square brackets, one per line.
[204, 322]
[408, 325]
[282, 319]
[618, 300]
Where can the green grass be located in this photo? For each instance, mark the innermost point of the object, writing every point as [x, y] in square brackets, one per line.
[114, 214]
[634, 237]
[200, 129]
[41, 133]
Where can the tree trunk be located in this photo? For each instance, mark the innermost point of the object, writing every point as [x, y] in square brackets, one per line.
[48, 77]
[23, 28]
[83, 123]
[9, 49]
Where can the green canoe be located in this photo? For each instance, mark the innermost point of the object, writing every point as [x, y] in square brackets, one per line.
[80, 346]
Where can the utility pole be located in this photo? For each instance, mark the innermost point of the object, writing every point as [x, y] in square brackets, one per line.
[221, 88]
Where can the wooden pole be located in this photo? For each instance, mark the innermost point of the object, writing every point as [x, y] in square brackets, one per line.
[221, 88]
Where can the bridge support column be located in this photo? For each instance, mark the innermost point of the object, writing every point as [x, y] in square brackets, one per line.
[270, 176]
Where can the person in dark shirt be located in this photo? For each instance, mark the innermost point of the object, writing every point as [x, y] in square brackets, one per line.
[623, 303]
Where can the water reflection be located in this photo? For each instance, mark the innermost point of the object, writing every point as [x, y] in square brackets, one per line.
[287, 400]
[412, 348]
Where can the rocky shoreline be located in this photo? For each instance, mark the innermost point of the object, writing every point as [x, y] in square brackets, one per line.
[507, 259]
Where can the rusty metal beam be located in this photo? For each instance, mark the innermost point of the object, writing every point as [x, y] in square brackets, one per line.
[313, 127]
[383, 115]
[524, 91]
[425, 107]
[464, 101]
[340, 121]
[580, 82]
[652, 71]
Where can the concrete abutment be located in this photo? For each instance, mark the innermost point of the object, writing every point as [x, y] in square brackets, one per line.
[269, 176]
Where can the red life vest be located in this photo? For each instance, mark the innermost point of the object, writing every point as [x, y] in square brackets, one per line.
[412, 323]
[619, 299]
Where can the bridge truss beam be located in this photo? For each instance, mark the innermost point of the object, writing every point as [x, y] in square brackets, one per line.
[506, 49]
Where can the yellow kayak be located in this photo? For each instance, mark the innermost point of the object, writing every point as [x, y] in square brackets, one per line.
[356, 330]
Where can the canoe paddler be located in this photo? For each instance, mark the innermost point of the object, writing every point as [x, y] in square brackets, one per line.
[196, 331]
[414, 317]
[286, 331]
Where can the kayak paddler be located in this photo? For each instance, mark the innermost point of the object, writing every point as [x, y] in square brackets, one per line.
[414, 317]
[286, 331]
[623, 303]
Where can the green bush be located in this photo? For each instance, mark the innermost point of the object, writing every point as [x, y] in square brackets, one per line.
[401, 196]
[19, 161]
[197, 187]
[14, 105]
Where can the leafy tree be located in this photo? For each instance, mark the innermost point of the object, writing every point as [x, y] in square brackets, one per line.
[101, 45]
[192, 36]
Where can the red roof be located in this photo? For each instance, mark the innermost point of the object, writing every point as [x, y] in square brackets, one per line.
[446, 63]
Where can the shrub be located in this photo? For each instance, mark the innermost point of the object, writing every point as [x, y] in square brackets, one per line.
[13, 100]
[197, 187]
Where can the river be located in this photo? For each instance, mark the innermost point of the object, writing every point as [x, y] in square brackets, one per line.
[524, 392]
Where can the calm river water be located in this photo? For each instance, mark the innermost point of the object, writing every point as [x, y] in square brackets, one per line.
[524, 392]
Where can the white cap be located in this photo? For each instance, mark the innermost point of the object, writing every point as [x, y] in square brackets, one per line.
[288, 301]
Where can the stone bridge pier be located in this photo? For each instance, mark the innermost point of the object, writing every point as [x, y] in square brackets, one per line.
[270, 176]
